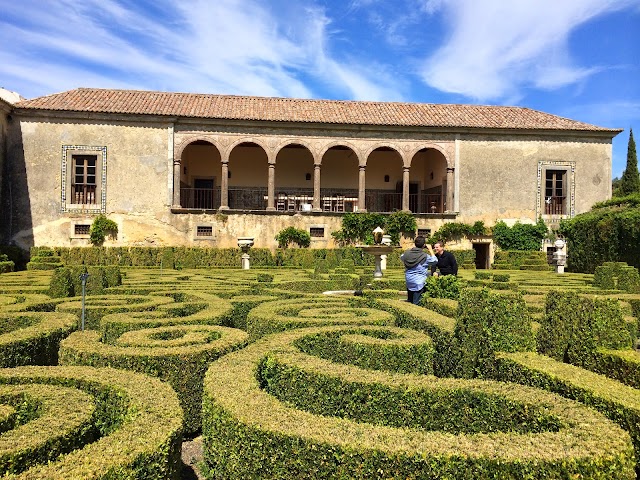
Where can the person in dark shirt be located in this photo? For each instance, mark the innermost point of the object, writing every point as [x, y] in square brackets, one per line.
[447, 264]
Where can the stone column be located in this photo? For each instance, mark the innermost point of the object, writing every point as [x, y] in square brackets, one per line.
[316, 188]
[450, 188]
[362, 188]
[224, 186]
[176, 184]
[271, 187]
[405, 189]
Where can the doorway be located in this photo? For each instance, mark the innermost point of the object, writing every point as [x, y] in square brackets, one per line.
[482, 255]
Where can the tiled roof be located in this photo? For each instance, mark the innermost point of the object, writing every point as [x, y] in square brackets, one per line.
[193, 105]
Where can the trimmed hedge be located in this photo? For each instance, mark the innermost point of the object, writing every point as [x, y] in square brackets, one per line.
[270, 317]
[373, 348]
[198, 257]
[621, 365]
[178, 354]
[66, 281]
[28, 338]
[618, 402]
[607, 234]
[488, 322]
[444, 306]
[446, 286]
[305, 417]
[520, 260]
[98, 306]
[44, 259]
[6, 265]
[575, 326]
[439, 327]
[196, 308]
[113, 424]
[617, 275]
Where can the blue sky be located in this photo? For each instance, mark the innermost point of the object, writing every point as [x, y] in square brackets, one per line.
[575, 58]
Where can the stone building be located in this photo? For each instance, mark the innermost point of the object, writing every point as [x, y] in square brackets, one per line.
[201, 169]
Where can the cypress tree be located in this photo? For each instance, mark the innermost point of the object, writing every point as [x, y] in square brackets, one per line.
[630, 182]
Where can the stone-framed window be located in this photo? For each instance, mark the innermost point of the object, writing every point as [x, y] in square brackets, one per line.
[80, 229]
[84, 179]
[556, 189]
[204, 231]
[317, 232]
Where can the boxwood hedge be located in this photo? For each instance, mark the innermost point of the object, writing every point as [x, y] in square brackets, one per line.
[30, 338]
[282, 315]
[91, 424]
[178, 354]
[271, 411]
[618, 402]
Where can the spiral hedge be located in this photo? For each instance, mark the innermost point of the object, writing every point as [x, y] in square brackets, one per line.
[276, 316]
[178, 354]
[87, 423]
[271, 411]
[33, 338]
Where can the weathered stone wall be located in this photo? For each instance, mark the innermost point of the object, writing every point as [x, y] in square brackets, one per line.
[496, 176]
[5, 109]
[136, 174]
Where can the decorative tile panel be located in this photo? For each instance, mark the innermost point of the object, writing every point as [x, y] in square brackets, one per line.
[66, 207]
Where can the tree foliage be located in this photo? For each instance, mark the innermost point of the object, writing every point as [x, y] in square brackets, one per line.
[100, 228]
[453, 230]
[521, 236]
[358, 227]
[630, 182]
[605, 234]
[293, 235]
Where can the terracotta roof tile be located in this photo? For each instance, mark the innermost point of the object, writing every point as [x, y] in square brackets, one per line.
[230, 107]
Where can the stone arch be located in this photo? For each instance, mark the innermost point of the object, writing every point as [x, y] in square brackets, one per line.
[295, 141]
[257, 141]
[340, 143]
[385, 178]
[199, 174]
[387, 145]
[185, 142]
[249, 170]
[412, 153]
[294, 168]
[430, 169]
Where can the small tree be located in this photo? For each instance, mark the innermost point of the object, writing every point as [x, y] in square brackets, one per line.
[630, 182]
[293, 235]
[100, 228]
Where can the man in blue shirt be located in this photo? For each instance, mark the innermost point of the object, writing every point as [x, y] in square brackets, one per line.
[417, 264]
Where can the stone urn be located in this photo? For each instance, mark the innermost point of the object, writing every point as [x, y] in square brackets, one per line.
[245, 243]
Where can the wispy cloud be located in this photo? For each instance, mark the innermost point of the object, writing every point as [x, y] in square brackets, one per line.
[496, 48]
[227, 46]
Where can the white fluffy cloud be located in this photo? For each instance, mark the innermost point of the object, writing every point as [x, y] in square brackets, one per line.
[495, 47]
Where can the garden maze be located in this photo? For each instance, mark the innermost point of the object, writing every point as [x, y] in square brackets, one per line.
[519, 375]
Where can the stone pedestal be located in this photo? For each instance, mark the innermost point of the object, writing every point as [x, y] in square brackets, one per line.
[245, 243]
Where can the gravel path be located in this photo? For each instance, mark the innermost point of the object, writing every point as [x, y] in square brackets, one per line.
[191, 457]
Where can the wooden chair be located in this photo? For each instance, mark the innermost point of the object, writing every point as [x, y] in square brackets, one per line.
[327, 204]
[281, 202]
[339, 203]
[291, 204]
